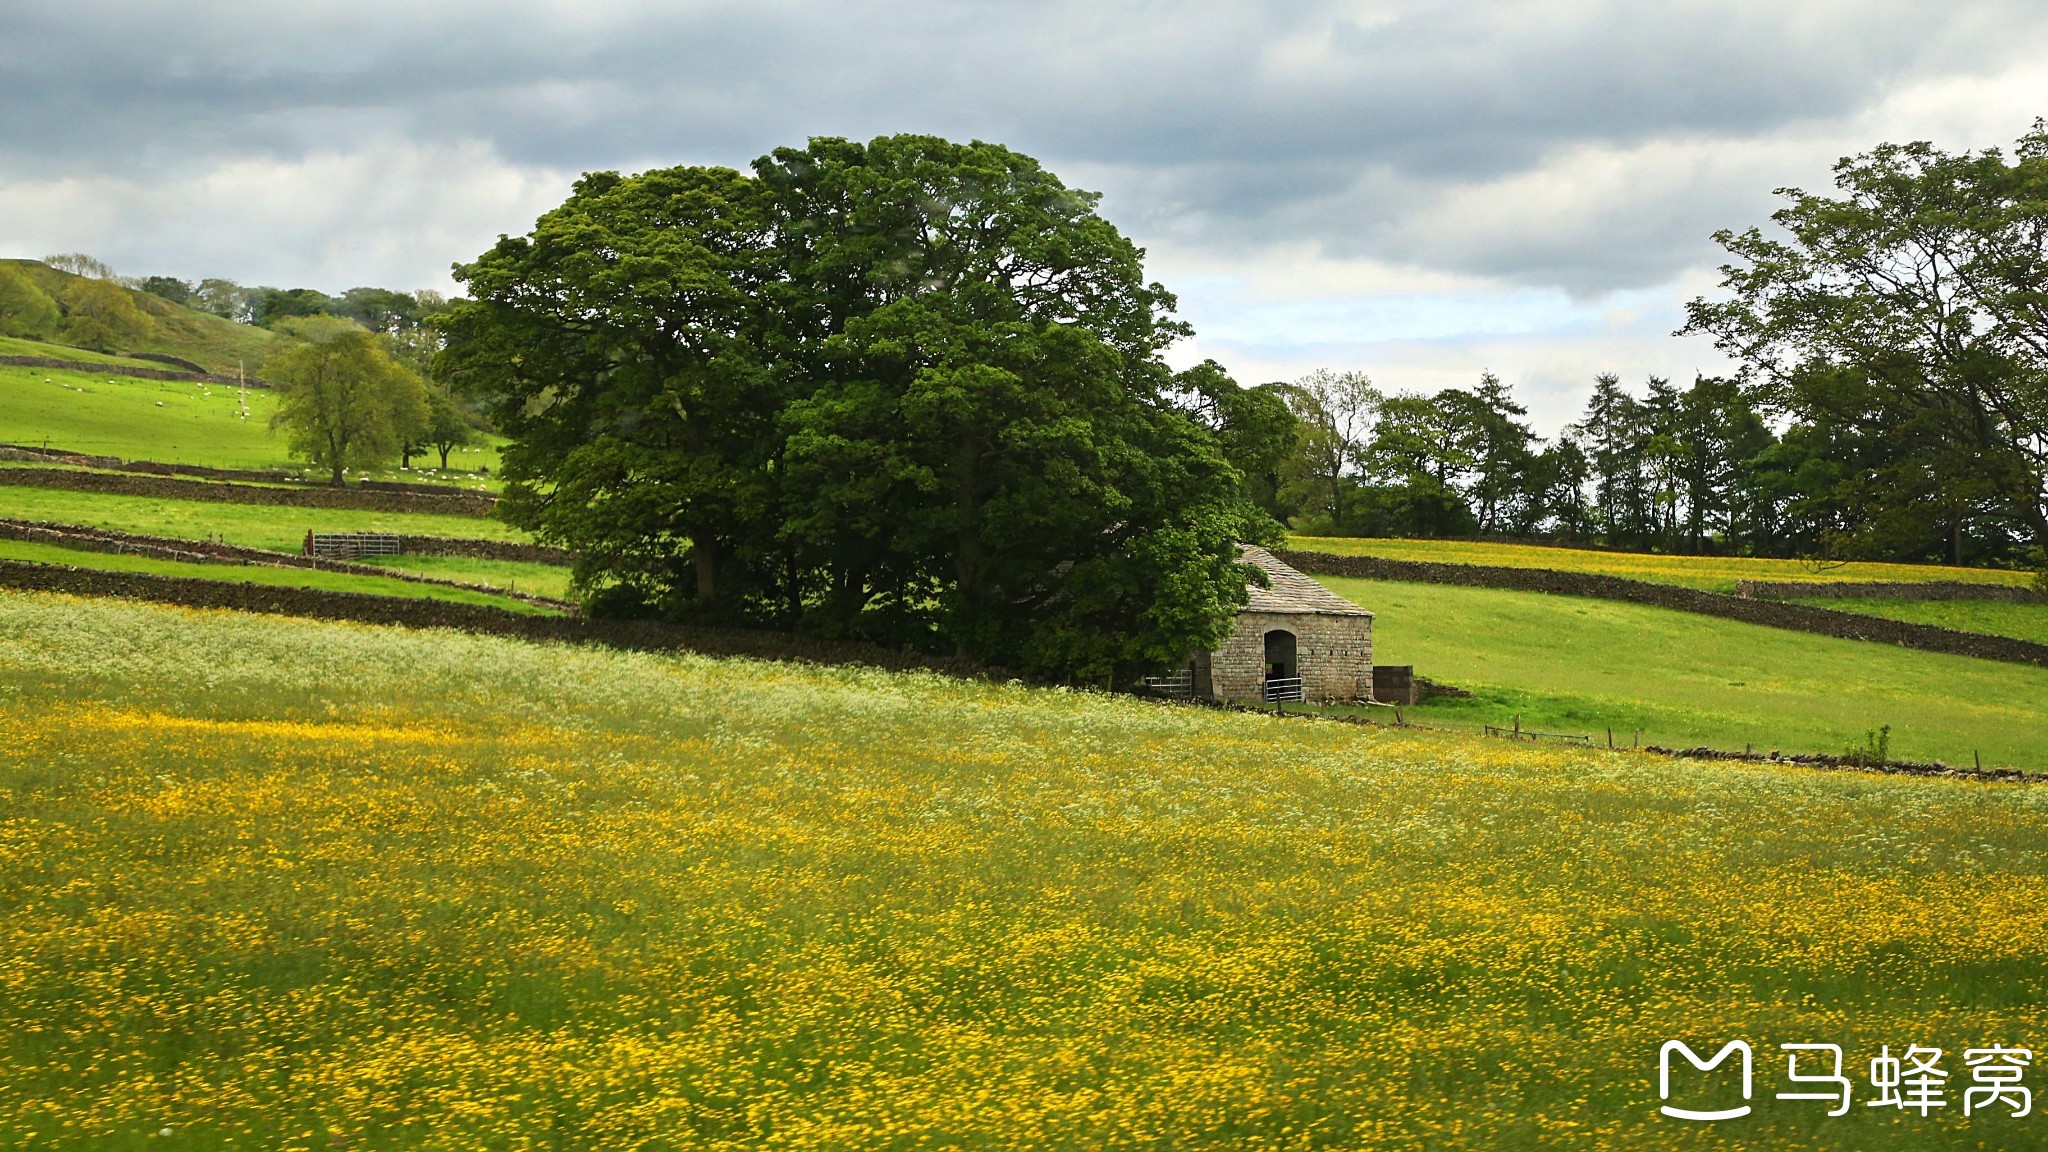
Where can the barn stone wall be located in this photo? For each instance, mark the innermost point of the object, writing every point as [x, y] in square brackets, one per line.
[1334, 653]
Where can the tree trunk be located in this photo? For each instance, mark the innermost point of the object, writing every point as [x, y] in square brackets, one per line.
[705, 560]
[444, 458]
[967, 563]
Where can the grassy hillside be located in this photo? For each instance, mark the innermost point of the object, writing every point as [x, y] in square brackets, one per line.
[15, 346]
[1713, 573]
[201, 337]
[271, 883]
[177, 422]
[2024, 621]
[1570, 664]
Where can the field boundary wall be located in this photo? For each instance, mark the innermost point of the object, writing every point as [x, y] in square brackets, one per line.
[1885, 590]
[364, 608]
[475, 504]
[34, 455]
[62, 364]
[1770, 613]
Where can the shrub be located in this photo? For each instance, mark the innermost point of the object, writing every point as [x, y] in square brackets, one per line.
[25, 310]
[102, 316]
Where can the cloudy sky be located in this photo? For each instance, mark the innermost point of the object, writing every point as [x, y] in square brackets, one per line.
[1417, 189]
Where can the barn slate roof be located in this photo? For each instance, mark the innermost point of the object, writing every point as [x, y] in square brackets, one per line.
[1292, 591]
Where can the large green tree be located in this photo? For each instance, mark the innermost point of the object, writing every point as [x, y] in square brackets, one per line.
[342, 399]
[1923, 279]
[909, 390]
[621, 347]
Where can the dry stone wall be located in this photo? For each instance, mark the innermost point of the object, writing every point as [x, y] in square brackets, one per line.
[127, 484]
[123, 370]
[1885, 590]
[486, 550]
[410, 613]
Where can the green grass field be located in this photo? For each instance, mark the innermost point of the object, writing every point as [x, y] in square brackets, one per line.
[172, 421]
[276, 884]
[520, 576]
[2022, 621]
[255, 574]
[179, 422]
[250, 525]
[1713, 573]
[1576, 665]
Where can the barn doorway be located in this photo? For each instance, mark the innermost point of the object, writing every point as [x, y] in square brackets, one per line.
[1283, 674]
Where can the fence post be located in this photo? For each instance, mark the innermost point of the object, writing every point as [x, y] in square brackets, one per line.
[1610, 737]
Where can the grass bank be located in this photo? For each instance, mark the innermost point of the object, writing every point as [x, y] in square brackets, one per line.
[269, 883]
[1711, 573]
[256, 574]
[2024, 621]
[16, 346]
[250, 525]
[174, 421]
[1578, 665]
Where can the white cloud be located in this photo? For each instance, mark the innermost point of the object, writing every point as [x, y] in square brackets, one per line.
[394, 213]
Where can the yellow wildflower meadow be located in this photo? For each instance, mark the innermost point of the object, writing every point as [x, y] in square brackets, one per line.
[279, 884]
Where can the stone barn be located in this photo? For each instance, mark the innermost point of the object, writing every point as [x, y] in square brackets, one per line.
[1296, 640]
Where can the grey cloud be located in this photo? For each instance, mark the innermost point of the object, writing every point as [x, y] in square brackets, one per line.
[1223, 124]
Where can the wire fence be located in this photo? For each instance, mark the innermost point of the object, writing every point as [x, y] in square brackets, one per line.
[1520, 733]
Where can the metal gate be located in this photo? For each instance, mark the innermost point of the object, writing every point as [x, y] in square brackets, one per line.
[1283, 688]
[349, 545]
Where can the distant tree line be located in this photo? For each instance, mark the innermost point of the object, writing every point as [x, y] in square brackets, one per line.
[1710, 468]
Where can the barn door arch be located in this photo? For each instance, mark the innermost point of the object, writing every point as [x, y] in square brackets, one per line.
[1283, 666]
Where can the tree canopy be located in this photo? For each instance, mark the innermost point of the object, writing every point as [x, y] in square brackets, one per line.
[100, 315]
[342, 399]
[909, 391]
[1906, 321]
[25, 309]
